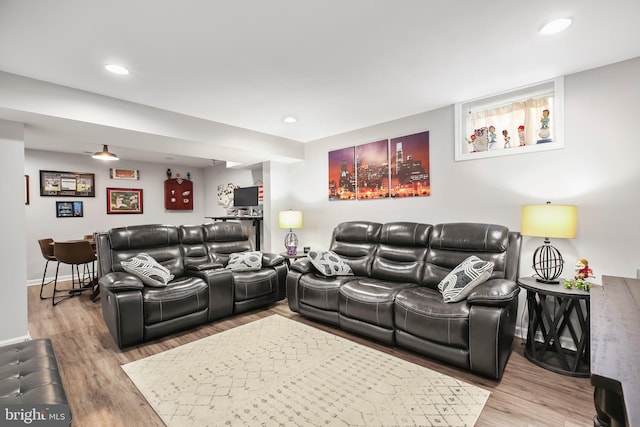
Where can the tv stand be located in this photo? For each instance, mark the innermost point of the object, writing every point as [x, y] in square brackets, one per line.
[256, 220]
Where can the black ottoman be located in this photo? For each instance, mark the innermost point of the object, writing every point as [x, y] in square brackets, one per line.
[29, 374]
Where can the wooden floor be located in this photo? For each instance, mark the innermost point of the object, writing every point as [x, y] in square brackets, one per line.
[101, 394]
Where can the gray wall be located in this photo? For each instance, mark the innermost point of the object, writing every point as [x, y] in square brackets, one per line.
[41, 218]
[13, 304]
[597, 171]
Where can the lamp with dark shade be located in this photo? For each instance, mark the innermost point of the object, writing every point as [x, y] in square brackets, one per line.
[557, 221]
[290, 219]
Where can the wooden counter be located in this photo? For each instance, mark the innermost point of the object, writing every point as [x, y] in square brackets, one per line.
[615, 350]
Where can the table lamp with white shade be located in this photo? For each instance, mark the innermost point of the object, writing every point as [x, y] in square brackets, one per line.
[557, 221]
[290, 219]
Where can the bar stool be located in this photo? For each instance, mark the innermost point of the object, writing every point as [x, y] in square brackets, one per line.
[74, 253]
[46, 247]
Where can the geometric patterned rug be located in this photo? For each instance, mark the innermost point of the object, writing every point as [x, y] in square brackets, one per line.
[276, 371]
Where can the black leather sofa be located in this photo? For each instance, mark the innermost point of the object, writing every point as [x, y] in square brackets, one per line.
[393, 296]
[202, 289]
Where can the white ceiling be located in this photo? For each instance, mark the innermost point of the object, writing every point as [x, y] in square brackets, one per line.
[337, 65]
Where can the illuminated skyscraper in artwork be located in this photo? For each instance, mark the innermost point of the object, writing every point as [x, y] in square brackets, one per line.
[399, 157]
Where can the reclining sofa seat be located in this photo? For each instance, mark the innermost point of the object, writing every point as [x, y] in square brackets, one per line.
[393, 296]
[202, 290]
[366, 305]
[477, 332]
[251, 289]
[316, 296]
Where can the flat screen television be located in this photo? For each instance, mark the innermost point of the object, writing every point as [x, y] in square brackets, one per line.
[245, 197]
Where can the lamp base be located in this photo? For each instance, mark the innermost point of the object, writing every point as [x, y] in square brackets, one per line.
[547, 263]
[292, 250]
[549, 282]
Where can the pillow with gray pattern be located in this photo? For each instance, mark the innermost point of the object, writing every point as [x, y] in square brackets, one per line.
[145, 267]
[329, 263]
[245, 261]
[461, 280]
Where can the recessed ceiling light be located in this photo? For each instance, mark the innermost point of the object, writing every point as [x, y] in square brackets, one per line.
[556, 26]
[289, 119]
[117, 69]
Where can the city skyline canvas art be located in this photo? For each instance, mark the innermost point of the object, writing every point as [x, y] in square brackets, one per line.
[372, 170]
[342, 180]
[410, 165]
[396, 167]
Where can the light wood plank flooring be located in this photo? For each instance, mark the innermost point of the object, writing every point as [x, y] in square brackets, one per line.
[102, 395]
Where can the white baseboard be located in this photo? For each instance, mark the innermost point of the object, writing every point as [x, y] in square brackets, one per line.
[15, 340]
[34, 282]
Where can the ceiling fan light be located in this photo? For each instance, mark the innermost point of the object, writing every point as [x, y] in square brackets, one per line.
[105, 154]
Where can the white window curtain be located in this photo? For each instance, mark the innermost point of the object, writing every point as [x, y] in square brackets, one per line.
[509, 117]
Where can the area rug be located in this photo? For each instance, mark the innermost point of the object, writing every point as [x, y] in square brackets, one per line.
[276, 371]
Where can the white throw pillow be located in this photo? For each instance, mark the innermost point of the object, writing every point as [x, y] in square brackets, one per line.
[329, 263]
[245, 261]
[461, 280]
[148, 270]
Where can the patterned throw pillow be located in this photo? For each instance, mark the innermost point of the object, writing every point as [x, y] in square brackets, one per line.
[245, 261]
[329, 263]
[461, 280]
[148, 270]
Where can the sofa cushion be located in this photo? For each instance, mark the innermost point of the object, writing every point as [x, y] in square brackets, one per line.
[329, 263]
[245, 261]
[370, 300]
[181, 297]
[461, 280]
[253, 284]
[148, 270]
[321, 291]
[421, 312]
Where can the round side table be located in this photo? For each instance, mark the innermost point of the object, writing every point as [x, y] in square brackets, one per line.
[554, 310]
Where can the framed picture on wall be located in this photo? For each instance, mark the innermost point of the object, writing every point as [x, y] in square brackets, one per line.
[124, 200]
[75, 184]
[69, 209]
[133, 174]
[519, 121]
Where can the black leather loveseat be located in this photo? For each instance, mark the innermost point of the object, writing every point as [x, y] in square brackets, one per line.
[393, 294]
[201, 289]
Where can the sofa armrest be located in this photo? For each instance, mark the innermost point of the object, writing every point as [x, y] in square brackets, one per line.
[303, 265]
[271, 260]
[204, 266]
[494, 292]
[220, 283]
[120, 281]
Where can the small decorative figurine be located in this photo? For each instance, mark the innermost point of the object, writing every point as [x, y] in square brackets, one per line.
[492, 137]
[544, 132]
[582, 269]
[482, 138]
[507, 139]
[521, 135]
[544, 120]
[169, 173]
[472, 142]
[189, 176]
[583, 272]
